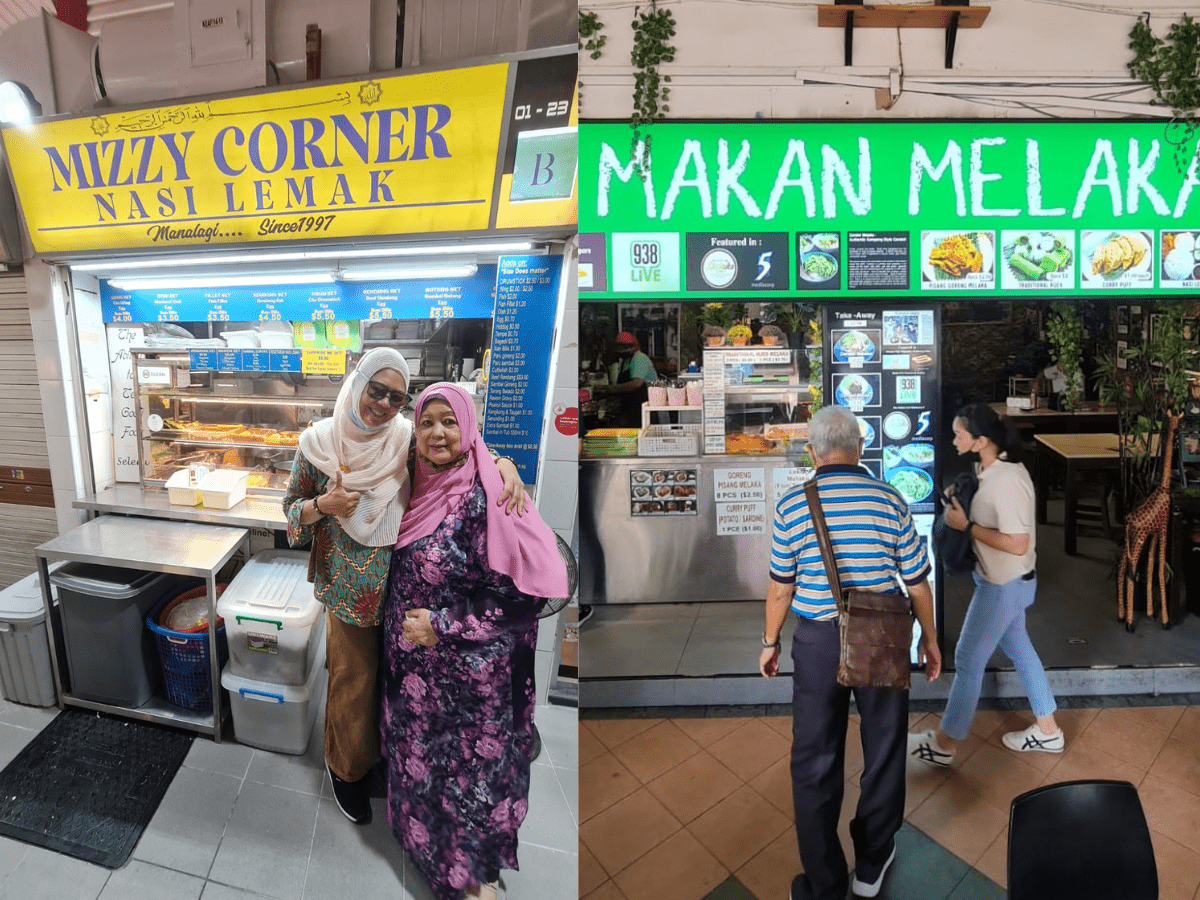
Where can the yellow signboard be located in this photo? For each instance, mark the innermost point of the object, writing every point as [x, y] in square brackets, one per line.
[401, 155]
[323, 362]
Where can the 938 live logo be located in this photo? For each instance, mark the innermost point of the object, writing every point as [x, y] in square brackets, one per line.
[645, 262]
[752, 261]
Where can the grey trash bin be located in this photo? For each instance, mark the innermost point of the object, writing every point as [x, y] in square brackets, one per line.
[111, 655]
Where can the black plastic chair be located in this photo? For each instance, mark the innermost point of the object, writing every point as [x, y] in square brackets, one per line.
[1080, 840]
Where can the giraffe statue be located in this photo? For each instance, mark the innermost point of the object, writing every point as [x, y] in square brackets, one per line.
[1146, 528]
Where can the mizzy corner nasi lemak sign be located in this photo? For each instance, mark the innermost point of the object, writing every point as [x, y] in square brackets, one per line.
[407, 154]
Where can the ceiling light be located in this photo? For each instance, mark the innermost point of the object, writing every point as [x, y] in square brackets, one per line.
[394, 273]
[151, 283]
[18, 106]
[244, 258]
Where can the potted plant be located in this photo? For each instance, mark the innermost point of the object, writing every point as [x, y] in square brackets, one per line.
[772, 335]
[1155, 377]
[739, 334]
[801, 318]
[714, 335]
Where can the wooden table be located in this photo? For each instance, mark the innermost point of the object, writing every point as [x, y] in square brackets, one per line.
[1078, 453]
[1043, 419]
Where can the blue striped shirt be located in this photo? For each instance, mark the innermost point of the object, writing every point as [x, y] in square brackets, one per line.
[870, 528]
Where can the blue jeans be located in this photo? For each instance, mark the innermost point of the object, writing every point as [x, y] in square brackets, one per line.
[995, 618]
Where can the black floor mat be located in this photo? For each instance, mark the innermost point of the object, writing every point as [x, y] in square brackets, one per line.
[89, 783]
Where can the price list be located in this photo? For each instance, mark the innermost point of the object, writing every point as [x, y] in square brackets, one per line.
[714, 401]
[526, 297]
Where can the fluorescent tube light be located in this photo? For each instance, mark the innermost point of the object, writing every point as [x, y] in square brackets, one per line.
[250, 258]
[394, 273]
[150, 283]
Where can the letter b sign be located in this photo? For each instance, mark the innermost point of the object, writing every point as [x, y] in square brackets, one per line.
[544, 165]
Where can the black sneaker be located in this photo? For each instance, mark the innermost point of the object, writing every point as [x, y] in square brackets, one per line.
[351, 798]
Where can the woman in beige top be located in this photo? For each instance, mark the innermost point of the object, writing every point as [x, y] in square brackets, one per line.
[1003, 533]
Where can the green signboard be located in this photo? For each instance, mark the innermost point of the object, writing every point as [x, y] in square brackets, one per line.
[851, 210]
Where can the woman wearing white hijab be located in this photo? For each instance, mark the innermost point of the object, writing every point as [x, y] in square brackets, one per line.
[348, 490]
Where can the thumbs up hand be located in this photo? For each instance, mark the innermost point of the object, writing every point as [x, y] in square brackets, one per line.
[337, 501]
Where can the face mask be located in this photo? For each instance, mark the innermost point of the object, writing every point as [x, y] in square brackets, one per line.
[625, 352]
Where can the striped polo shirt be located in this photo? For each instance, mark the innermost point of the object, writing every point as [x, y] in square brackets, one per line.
[870, 528]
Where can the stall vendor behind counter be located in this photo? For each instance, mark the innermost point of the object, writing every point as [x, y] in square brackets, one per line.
[634, 374]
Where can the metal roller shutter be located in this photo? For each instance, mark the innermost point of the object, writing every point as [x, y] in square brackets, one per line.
[27, 516]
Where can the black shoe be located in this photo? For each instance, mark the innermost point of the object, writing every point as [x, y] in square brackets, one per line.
[351, 798]
[585, 613]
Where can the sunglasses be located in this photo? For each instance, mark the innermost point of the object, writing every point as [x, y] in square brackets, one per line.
[377, 391]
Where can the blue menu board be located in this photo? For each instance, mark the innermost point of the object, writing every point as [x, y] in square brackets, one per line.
[463, 298]
[522, 331]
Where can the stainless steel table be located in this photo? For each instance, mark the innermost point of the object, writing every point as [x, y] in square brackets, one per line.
[150, 545]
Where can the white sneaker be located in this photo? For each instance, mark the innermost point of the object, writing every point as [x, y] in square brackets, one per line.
[1033, 738]
[869, 879]
[923, 747]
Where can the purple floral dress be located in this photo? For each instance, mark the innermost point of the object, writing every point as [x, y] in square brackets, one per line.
[457, 723]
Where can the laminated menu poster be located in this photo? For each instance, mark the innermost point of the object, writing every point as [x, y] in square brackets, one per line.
[1037, 260]
[883, 367]
[662, 492]
[958, 260]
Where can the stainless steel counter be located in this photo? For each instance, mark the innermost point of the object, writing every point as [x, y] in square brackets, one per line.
[182, 548]
[721, 552]
[131, 500]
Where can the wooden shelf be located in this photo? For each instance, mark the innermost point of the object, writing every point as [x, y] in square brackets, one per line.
[907, 16]
[948, 15]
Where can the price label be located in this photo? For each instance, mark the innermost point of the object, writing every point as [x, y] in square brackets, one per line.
[908, 389]
[323, 362]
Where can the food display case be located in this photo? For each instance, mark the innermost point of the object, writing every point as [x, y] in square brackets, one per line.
[702, 487]
[245, 421]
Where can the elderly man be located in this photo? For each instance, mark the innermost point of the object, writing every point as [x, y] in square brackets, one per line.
[634, 374]
[875, 544]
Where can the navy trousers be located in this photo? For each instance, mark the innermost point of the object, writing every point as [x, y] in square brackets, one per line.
[820, 714]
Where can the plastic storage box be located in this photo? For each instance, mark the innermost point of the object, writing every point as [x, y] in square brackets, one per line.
[273, 621]
[669, 440]
[275, 717]
[111, 656]
[182, 490]
[26, 674]
[224, 488]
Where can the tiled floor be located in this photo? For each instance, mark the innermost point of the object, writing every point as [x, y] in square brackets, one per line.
[657, 654]
[699, 806]
[244, 823]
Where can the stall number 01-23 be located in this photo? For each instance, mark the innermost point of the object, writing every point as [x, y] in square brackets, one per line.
[551, 110]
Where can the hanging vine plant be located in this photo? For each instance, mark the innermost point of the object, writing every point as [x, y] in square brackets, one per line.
[653, 29]
[1170, 67]
[1064, 329]
[590, 39]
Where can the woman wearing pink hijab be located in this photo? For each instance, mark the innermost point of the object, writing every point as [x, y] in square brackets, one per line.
[460, 630]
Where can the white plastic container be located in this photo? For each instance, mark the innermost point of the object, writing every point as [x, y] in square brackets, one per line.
[182, 490]
[272, 620]
[276, 340]
[224, 488]
[275, 717]
[247, 338]
[26, 675]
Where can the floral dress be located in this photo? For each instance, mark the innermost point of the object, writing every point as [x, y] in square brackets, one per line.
[457, 723]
